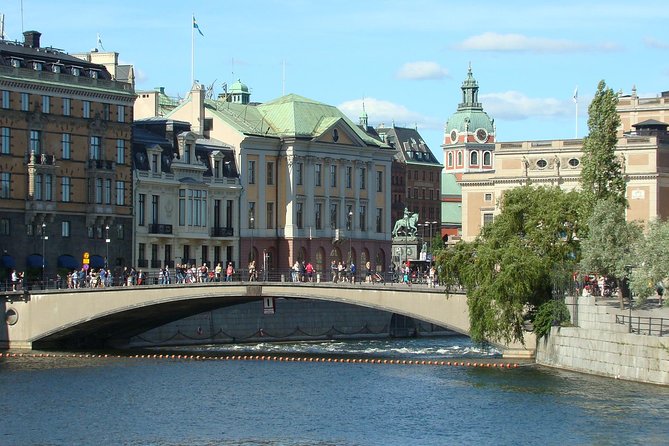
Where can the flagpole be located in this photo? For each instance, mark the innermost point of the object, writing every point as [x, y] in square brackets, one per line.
[192, 51]
[576, 104]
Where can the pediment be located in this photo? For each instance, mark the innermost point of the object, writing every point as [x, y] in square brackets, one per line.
[334, 130]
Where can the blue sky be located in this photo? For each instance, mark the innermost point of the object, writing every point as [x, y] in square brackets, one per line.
[407, 59]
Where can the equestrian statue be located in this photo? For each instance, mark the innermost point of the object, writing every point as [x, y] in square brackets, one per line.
[406, 226]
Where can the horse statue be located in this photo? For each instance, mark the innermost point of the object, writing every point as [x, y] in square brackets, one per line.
[407, 226]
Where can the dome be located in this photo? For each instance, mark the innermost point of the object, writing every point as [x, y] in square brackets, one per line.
[470, 115]
[239, 87]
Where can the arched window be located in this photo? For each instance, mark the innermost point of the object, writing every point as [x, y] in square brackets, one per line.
[380, 260]
[450, 159]
[302, 255]
[320, 260]
[473, 158]
[487, 159]
[459, 158]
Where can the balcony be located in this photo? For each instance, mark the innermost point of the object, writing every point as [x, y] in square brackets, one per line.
[101, 164]
[156, 264]
[142, 263]
[222, 232]
[160, 229]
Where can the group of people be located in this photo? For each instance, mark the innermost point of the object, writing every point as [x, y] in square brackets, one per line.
[184, 273]
[429, 275]
[302, 271]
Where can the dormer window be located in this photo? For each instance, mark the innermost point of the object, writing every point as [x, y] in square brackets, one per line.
[217, 169]
[187, 153]
[56, 68]
[94, 74]
[37, 66]
[76, 71]
[155, 163]
[16, 63]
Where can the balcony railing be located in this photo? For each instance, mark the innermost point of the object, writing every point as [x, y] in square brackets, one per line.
[160, 229]
[156, 263]
[222, 232]
[142, 263]
[101, 164]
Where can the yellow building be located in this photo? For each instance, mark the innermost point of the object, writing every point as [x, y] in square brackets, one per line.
[65, 174]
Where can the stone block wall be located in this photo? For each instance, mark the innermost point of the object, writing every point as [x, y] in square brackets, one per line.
[600, 346]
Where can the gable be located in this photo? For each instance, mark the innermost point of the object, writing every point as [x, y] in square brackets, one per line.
[337, 131]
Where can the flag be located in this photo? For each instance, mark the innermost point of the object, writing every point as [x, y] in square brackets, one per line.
[197, 27]
[576, 95]
[100, 42]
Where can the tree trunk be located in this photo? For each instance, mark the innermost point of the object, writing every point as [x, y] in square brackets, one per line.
[619, 284]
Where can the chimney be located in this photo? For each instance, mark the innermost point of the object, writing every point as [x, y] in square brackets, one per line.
[31, 39]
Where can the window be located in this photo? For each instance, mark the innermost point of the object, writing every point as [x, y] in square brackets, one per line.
[574, 162]
[363, 178]
[67, 106]
[141, 209]
[105, 112]
[298, 215]
[154, 162]
[5, 99]
[46, 104]
[25, 101]
[379, 181]
[141, 251]
[86, 112]
[318, 173]
[349, 217]
[182, 208]
[120, 231]
[65, 188]
[459, 158]
[98, 190]
[38, 187]
[252, 215]
[474, 158]
[48, 187]
[349, 174]
[120, 151]
[333, 216]
[154, 209]
[35, 138]
[319, 215]
[65, 229]
[66, 145]
[4, 226]
[363, 217]
[487, 218]
[270, 173]
[120, 113]
[108, 191]
[5, 134]
[252, 172]
[487, 159]
[379, 220]
[94, 150]
[187, 154]
[542, 163]
[270, 215]
[120, 193]
[197, 207]
[333, 175]
[298, 174]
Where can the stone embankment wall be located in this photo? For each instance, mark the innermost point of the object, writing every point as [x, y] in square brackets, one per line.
[598, 345]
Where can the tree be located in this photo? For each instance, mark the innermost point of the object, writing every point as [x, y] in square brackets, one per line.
[601, 172]
[507, 271]
[652, 263]
[609, 247]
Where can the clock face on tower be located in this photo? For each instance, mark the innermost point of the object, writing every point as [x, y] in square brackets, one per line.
[454, 136]
[481, 135]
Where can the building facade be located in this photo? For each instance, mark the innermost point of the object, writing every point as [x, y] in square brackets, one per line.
[316, 187]
[186, 198]
[65, 166]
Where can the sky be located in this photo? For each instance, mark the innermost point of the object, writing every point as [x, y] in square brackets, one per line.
[405, 60]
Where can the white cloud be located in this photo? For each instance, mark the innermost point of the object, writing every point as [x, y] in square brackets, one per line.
[491, 41]
[652, 42]
[513, 105]
[422, 70]
[387, 113]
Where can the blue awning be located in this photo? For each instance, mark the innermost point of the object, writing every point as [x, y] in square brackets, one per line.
[97, 261]
[7, 261]
[34, 261]
[67, 261]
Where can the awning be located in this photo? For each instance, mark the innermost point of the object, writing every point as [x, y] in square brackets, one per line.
[97, 261]
[68, 262]
[34, 261]
[7, 261]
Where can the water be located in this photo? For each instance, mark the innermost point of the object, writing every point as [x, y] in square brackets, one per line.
[139, 401]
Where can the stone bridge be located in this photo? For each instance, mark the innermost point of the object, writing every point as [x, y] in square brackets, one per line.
[92, 317]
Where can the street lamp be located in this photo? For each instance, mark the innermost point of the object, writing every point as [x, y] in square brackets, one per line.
[253, 226]
[44, 239]
[429, 246]
[350, 235]
[107, 240]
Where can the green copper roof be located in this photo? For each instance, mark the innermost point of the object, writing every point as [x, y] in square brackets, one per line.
[470, 115]
[450, 185]
[239, 87]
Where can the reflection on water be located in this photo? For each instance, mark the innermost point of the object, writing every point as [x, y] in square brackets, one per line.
[150, 401]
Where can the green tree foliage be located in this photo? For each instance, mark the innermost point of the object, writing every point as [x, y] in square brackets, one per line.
[508, 270]
[609, 247]
[651, 265]
[602, 175]
[550, 313]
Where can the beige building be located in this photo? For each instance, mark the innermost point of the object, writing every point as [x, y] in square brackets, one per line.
[315, 186]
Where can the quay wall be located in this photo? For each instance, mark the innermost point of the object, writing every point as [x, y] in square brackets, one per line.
[597, 345]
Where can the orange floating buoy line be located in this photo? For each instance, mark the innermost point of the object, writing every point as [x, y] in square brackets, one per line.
[495, 365]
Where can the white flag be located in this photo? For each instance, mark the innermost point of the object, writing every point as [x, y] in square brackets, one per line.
[576, 95]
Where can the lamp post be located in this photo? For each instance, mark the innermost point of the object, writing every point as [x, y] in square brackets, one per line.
[406, 236]
[253, 226]
[350, 235]
[107, 240]
[44, 239]
[429, 246]
[629, 296]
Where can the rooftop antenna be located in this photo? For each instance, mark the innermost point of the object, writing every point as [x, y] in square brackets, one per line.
[283, 78]
[2, 26]
[22, 17]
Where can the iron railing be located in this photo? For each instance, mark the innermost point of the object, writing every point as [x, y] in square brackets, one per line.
[652, 326]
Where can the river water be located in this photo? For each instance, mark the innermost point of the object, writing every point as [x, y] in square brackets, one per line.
[165, 402]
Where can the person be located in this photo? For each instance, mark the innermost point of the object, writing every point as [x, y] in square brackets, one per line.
[352, 271]
[252, 271]
[341, 268]
[15, 280]
[141, 277]
[218, 270]
[229, 271]
[310, 272]
[432, 275]
[296, 271]
[407, 271]
[333, 270]
[368, 272]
